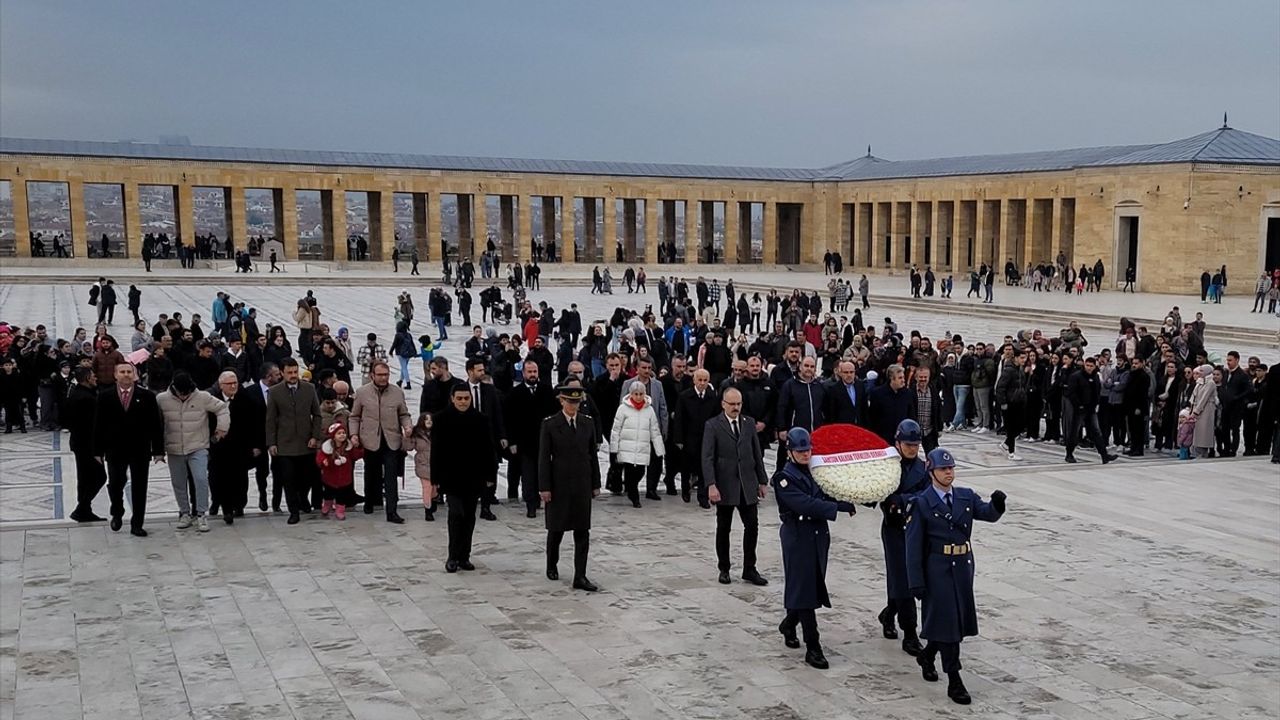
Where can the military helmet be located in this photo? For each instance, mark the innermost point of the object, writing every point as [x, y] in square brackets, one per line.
[940, 458]
[798, 440]
[908, 432]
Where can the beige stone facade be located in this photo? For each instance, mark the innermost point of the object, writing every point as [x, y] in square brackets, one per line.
[1190, 216]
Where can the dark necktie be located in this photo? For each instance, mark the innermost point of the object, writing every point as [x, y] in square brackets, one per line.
[475, 396]
[947, 497]
[734, 423]
[573, 424]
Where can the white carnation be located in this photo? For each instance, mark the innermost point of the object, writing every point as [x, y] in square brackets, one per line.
[861, 482]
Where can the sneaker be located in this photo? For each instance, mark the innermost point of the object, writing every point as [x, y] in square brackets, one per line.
[1015, 457]
[184, 521]
[202, 523]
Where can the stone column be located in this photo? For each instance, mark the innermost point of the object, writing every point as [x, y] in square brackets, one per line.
[21, 218]
[692, 252]
[896, 223]
[522, 220]
[132, 213]
[745, 231]
[435, 236]
[769, 243]
[651, 234]
[608, 239]
[953, 229]
[79, 228]
[630, 229]
[479, 227]
[288, 210]
[937, 238]
[238, 230]
[506, 227]
[567, 248]
[382, 225]
[1007, 236]
[918, 231]
[980, 233]
[732, 241]
[185, 212]
[1055, 234]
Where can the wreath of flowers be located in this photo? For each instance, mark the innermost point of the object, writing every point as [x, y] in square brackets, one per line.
[853, 464]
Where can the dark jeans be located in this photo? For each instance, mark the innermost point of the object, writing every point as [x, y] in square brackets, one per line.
[631, 475]
[1031, 416]
[90, 477]
[1231, 419]
[749, 515]
[133, 470]
[950, 652]
[462, 525]
[808, 622]
[1053, 424]
[1137, 433]
[1073, 421]
[1119, 423]
[381, 468]
[581, 546]
[654, 471]
[1013, 417]
[293, 472]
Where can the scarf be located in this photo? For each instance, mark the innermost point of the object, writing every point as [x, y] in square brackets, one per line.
[637, 405]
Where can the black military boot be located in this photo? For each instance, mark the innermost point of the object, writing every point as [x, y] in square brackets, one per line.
[910, 642]
[886, 624]
[814, 657]
[927, 669]
[956, 690]
[789, 635]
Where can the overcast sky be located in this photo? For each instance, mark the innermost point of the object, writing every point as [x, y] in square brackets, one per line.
[799, 84]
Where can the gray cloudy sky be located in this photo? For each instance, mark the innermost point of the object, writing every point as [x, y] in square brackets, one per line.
[749, 83]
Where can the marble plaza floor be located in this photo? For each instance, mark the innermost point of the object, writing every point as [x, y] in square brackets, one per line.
[1130, 592]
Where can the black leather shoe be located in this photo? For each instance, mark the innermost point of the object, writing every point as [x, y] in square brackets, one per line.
[213, 511]
[85, 517]
[1105, 459]
[531, 513]
[451, 566]
[724, 577]
[635, 503]
[1071, 459]
[671, 491]
[704, 504]
[582, 583]
[815, 658]
[275, 508]
[911, 645]
[293, 519]
[429, 516]
[138, 532]
[466, 565]
[229, 518]
[488, 515]
[886, 624]
[116, 524]
[653, 496]
[262, 502]
[754, 578]
[789, 636]
[927, 669]
[686, 496]
[553, 573]
[393, 518]
[956, 690]
[368, 509]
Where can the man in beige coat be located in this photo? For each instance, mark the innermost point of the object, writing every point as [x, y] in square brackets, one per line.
[379, 423]
[186, 412]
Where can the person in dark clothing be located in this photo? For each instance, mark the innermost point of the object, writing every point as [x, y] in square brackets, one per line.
[889, 404]
[1137, 405]
[604, 393]
[135, 302]
[1236, 386]
[128, 433]
[78, 415]
[466, 434]
[695, 407]
[1080, 410]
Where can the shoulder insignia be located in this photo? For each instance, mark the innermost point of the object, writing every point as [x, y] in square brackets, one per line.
[782, 482]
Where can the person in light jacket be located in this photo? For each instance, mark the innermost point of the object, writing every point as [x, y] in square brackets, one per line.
[186, 412]
[635, 431]
[1204, 410]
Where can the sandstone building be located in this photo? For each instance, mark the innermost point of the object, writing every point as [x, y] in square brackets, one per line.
[1170, 210]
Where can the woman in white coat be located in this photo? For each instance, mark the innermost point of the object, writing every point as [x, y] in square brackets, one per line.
[635, 432]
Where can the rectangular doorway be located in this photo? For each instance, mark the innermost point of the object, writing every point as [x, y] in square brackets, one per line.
[1272, 259]
[1126, 248]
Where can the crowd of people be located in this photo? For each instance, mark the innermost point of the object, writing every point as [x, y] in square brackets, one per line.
[684, 396]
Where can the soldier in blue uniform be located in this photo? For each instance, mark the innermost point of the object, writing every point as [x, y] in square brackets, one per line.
[915, 478]
[804, 510]
[940, 566]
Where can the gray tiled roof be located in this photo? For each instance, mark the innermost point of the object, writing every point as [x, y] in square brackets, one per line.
[1223, 145]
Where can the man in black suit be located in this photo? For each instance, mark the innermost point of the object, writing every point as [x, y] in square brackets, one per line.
[733, 472]
[484, 398]
[271, 376]
[568, 481]
[528, 404]
[128, 431]
[231, 457]
[463, 465]
[78, 416]
[694, 407]
[845, 396]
